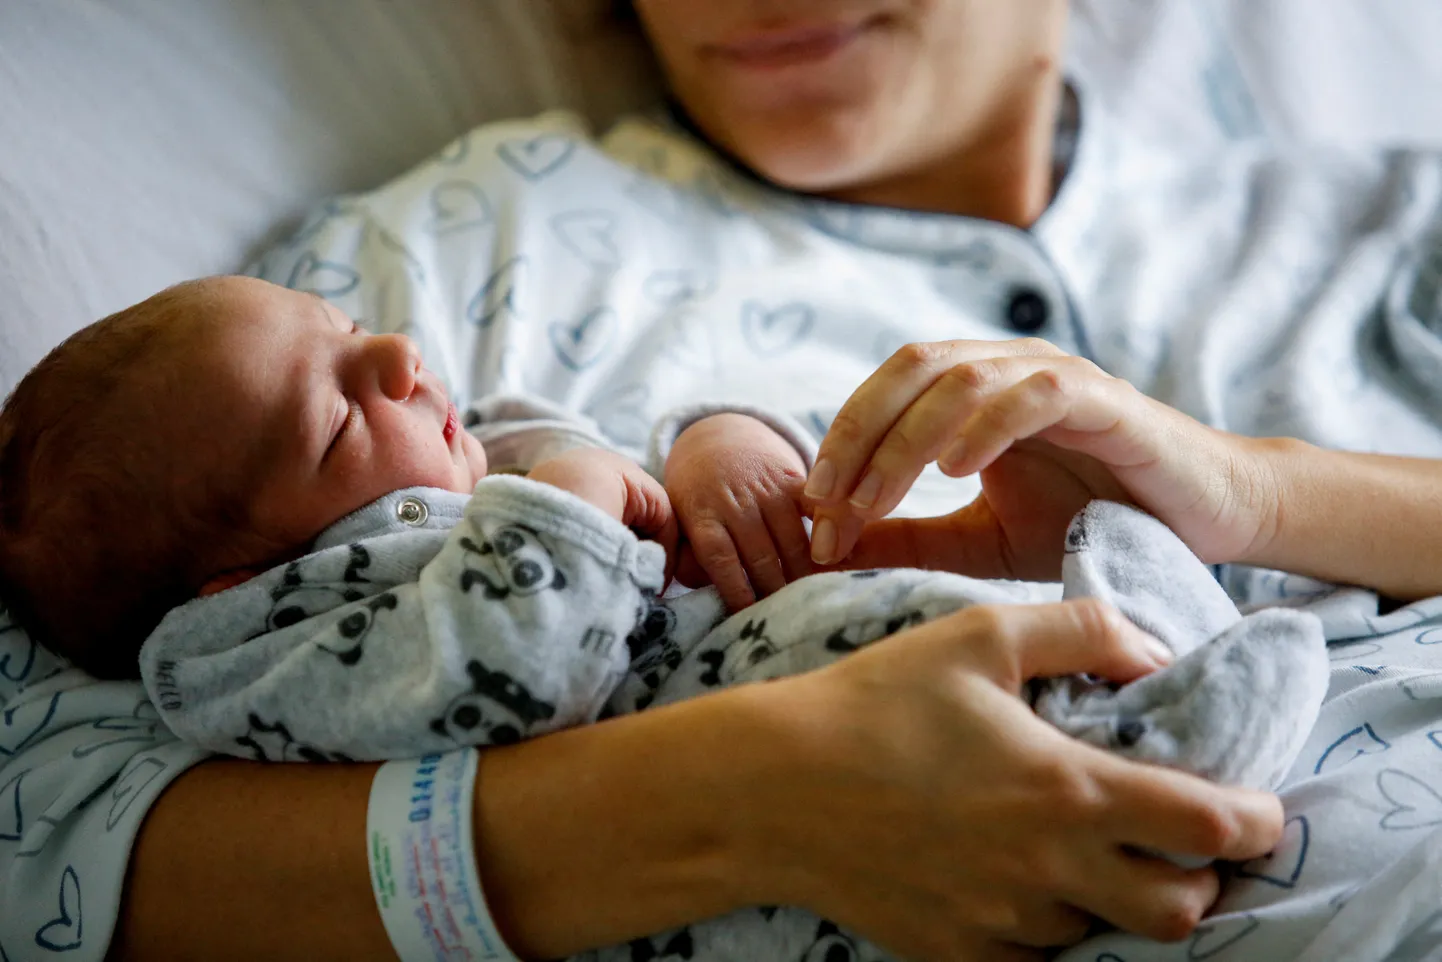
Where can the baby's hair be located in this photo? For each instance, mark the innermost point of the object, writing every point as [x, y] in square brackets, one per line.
[97, 541]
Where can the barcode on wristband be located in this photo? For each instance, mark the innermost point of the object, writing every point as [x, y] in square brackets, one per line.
[422, 860]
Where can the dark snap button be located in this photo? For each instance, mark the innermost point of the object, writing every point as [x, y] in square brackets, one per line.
[1027, 311]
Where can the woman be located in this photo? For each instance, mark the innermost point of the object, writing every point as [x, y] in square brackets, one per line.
[952, 824]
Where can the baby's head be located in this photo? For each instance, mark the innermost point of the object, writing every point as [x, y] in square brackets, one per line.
[194, 439]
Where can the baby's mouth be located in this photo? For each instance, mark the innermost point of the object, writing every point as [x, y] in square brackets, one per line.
[453, 423]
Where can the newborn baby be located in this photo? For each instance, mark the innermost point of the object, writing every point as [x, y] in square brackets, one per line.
[288, 515]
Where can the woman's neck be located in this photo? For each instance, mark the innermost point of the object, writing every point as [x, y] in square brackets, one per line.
[1005, 173]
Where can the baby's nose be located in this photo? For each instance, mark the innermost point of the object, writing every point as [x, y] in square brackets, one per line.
[399, 364]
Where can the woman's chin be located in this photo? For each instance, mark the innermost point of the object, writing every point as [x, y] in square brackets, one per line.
[811, 161]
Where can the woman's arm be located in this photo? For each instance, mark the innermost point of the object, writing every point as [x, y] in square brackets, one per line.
[1364, 519]
[905, 792]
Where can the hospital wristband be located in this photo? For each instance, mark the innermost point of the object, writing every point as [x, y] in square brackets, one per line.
[422, 860]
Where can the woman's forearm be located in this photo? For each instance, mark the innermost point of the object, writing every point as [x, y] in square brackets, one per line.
[585, 838]
[1363, 519]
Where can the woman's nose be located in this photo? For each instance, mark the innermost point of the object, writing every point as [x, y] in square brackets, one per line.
[397, 364]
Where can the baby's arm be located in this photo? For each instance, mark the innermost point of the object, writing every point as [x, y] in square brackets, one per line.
[516, 627]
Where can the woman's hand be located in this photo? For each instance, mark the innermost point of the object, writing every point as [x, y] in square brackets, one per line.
[736, 487]
[1047, 432]
[933, 812]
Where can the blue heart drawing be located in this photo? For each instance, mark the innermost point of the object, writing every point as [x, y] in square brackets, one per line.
[537, 157]
[128, 787]
[1357, 742]
[692, 343]
[457, 205]
[777, 330]
[12, 819]
[1414, 803]
[497, 294]
[11, 723]
[1290, 854]
[1432, 636]
[311, 275]
[136, 728]
[1350, 650]
[590, 235]
[17, 649]
[672, 287]
[1211, 940]
[455, 151]
[580, 345]
[622, 415]
[64, 932]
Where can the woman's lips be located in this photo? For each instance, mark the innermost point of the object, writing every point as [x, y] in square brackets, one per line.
[453, 423]
[773, 49]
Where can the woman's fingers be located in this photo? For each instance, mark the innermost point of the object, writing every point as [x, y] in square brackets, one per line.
[1161, 810]
[1148, 896]
[1083, 636]
[871, 411]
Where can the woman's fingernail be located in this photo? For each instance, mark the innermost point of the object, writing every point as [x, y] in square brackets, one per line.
[823, 541]
[867, 491]
[1160, 653]
[952, 454]
[822, 480]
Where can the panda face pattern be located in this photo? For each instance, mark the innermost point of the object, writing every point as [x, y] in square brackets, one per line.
[515, 562]
[831, 945]
[316, 584]
[354, 628]
[849, 638]
[498, 710]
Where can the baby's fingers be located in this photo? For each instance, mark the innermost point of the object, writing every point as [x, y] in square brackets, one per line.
[715, 552]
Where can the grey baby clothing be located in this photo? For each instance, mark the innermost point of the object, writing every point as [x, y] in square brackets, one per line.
[428, 620]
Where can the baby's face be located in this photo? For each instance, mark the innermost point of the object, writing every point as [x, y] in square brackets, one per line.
[339, 417]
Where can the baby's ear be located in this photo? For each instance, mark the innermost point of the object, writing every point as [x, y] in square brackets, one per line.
[227, 580]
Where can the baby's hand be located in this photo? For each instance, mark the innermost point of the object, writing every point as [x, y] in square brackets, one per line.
[618, 486]
[736, 485]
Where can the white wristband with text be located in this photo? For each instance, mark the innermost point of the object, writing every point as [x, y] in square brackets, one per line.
[423, 862]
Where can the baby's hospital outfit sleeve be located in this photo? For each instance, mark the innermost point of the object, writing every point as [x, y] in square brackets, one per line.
[81, 761]
[508, 621]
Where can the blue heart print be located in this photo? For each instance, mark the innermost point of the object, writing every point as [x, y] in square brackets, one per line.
[311, 275]
[19, 725]
[1211, 940]
[1351, 650]
[580, 345]
[141, 726]
[458, 205]
[1414, 803]
[1283, 865]
[12, 819]
[590, 235]
[128, 787]
[657, 196]
[497, 295]
[1357, 742]
[17, 651]
[65, 932]
[536, 157]
[1432, 636]
[772, 331]
[672, 287]
[709, 186]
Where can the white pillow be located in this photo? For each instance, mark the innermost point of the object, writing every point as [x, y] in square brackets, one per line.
[143, 142]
